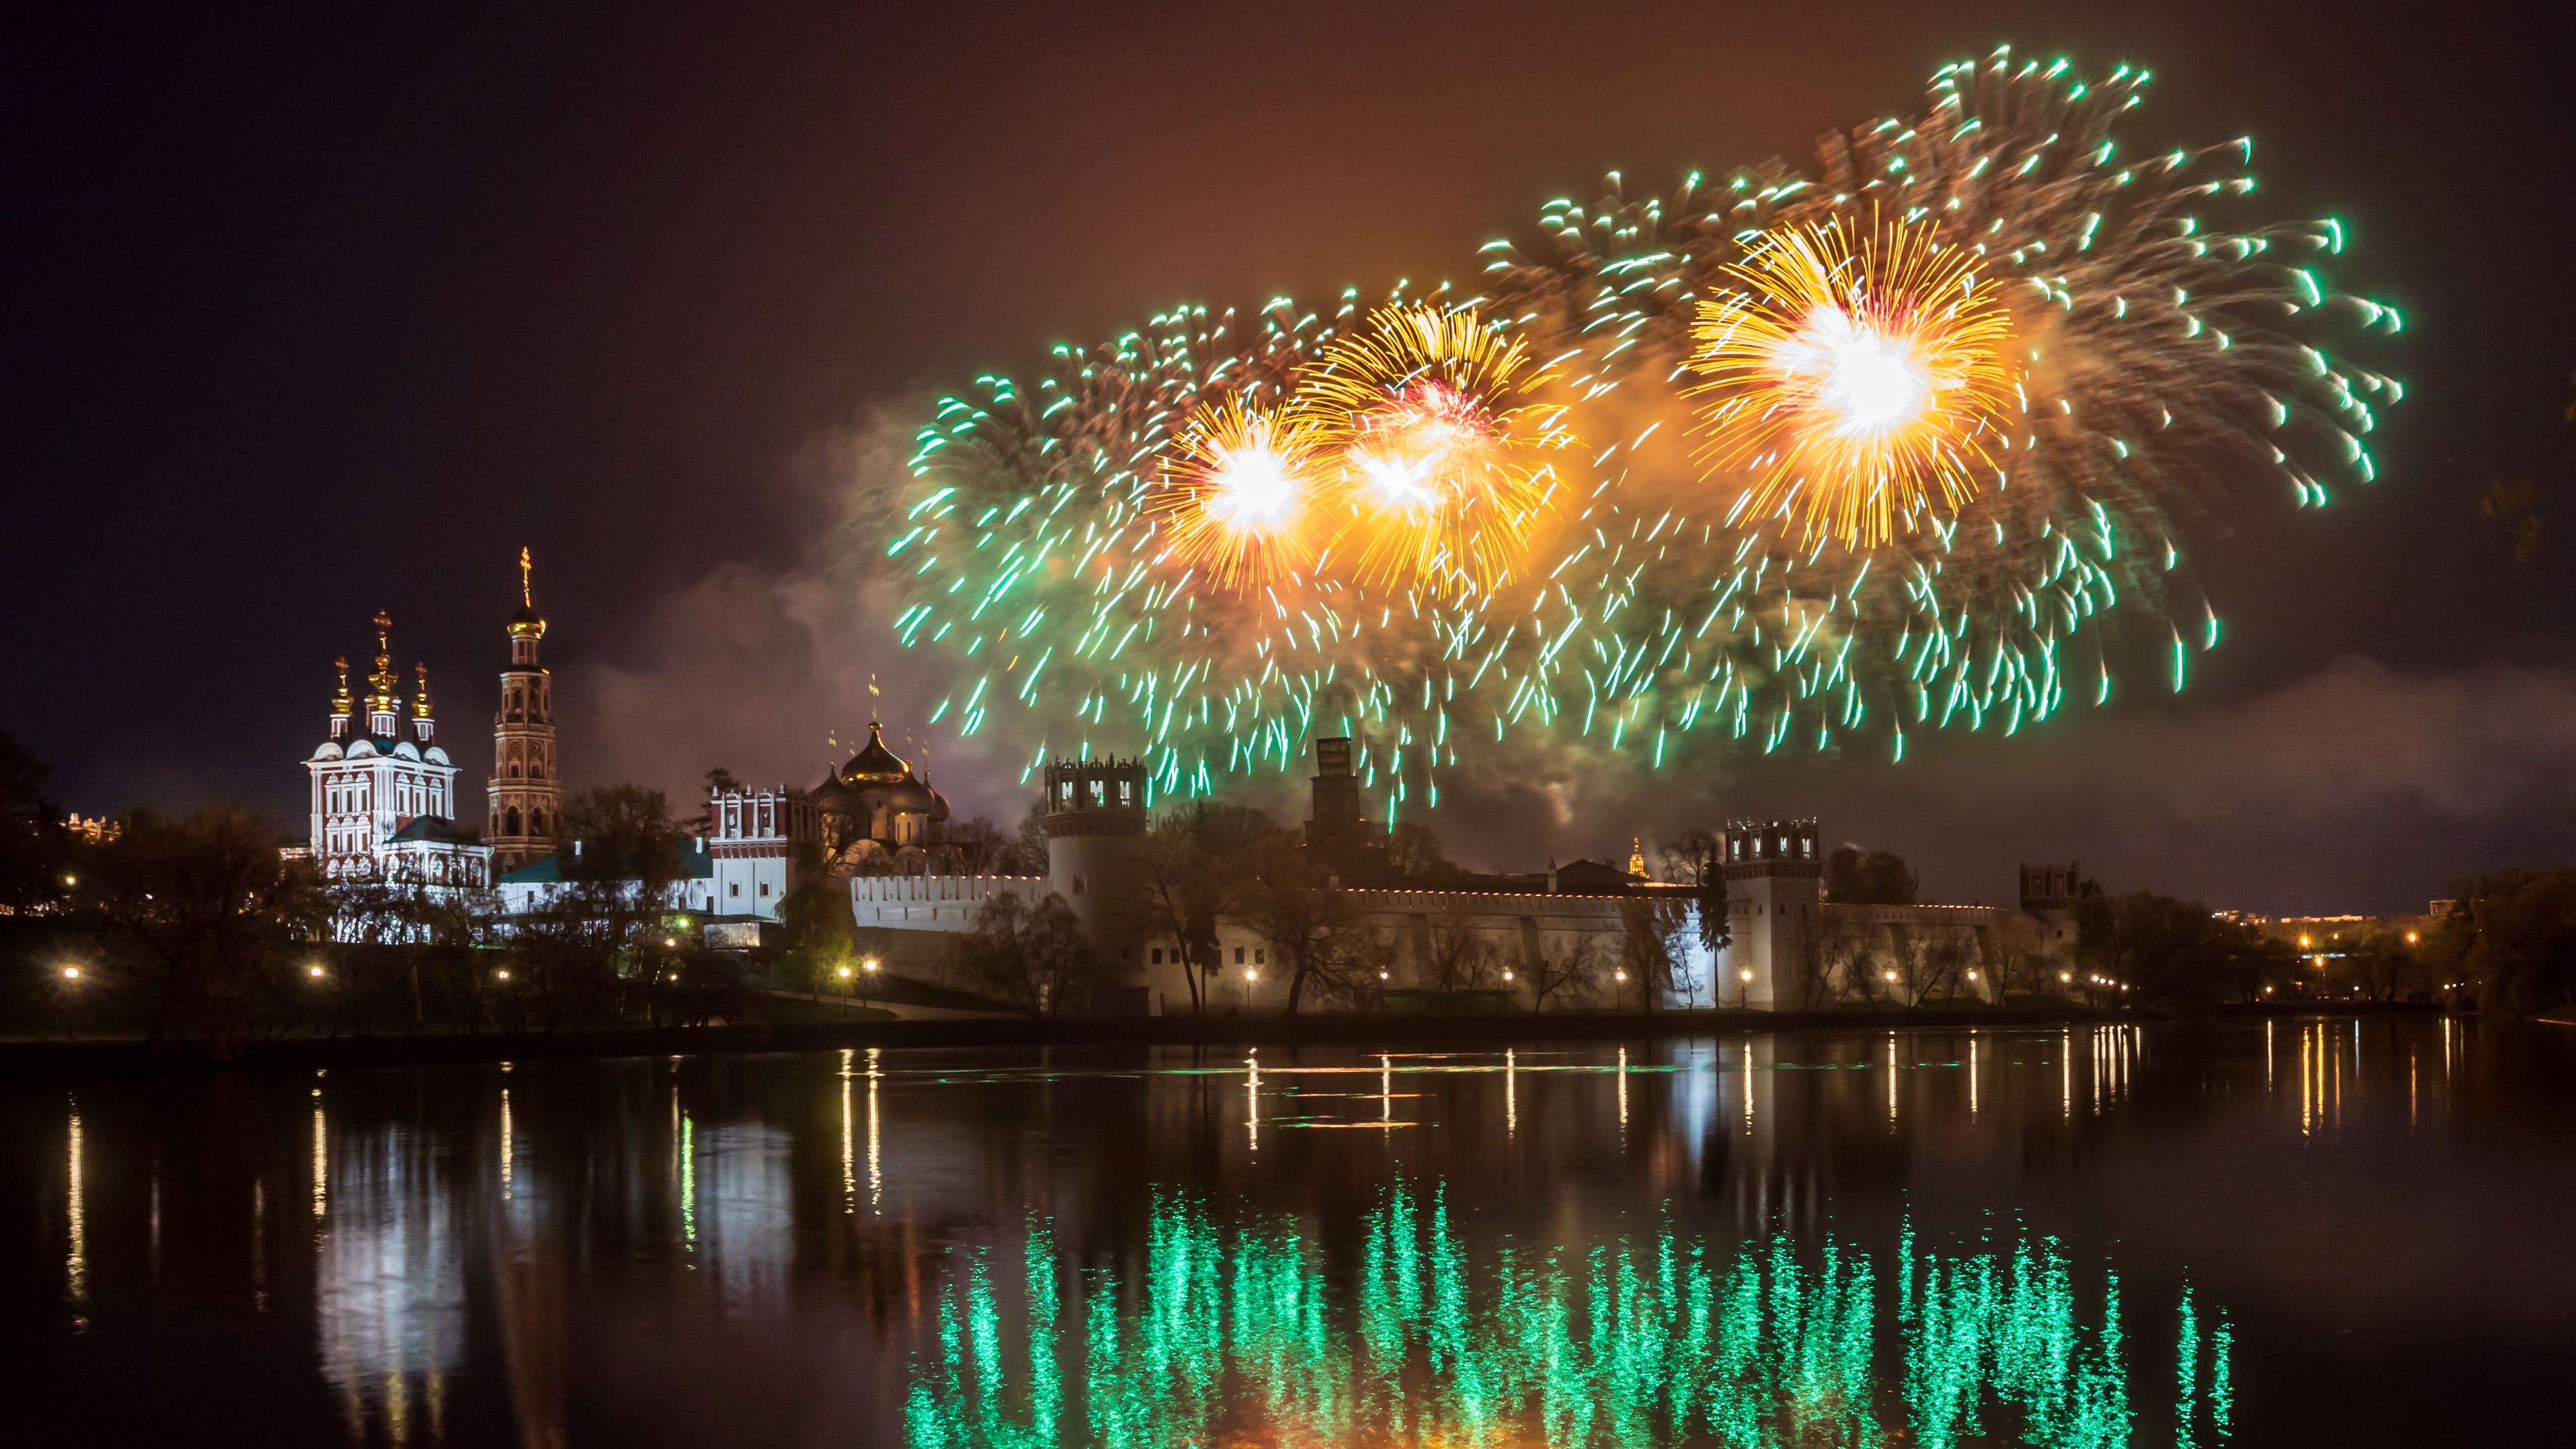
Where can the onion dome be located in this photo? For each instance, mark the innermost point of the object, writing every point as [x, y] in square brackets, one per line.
[875, 765]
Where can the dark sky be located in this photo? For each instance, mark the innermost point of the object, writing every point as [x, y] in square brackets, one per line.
[319, 311]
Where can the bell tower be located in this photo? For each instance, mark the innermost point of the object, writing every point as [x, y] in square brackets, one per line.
[526, 792]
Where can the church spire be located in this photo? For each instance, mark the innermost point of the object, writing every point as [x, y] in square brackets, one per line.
[341, 704]
[420, 721]
[383, 700]
[526, 626]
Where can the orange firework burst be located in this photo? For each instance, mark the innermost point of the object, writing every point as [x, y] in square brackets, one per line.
[1238, 492]
[1861, 379]
[1434, 431]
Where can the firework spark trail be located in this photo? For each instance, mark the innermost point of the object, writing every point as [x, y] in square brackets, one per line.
[2154, 357]
[2160, 356]
[1035, 549]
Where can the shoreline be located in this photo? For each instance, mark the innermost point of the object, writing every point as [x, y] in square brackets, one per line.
[127, 1057]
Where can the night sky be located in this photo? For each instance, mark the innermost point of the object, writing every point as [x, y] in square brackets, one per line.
[323, 311]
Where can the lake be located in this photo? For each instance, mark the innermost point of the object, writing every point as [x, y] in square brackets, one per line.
[2302, 1231]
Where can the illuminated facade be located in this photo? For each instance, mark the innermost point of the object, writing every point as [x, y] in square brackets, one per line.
[383, 793]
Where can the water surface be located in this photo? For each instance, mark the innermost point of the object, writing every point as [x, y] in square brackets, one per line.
[2321, 1231]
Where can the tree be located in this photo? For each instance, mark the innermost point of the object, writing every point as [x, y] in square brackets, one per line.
[1564, 971]
[1868, 877]
[1313, 924]
[1413, 854]
[1651, 935]
[1193, 872]
[33, 846]
[2168, 953]
[1454, 955]
[2520, 930]
[1696, 859]
[1829, 960]
[1030, 855]
[972, 847]
[720, 781]
[2382, 962]
[814, 918]
[206, 924]
[1032, 955]
[606, 920]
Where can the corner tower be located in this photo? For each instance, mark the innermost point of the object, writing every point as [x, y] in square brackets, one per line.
[526, 793]
[1773, 883]
[1095, 825]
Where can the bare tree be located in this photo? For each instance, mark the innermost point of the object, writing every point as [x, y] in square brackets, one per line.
[203, 919]
[1455, 956]
[1827, 959]
[1561, 973]
[1651, 942]
[1311, 922]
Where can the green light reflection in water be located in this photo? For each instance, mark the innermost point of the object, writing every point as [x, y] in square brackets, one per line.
[1232, 1336]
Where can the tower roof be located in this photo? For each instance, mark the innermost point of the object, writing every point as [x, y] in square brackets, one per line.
[875, 765]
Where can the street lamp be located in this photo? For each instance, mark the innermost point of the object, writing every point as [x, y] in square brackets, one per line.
[1744, 999]
[868, 966]
[1249, 976]
[314, 970]
[1618, 996]
[503, 973]
[71, 973]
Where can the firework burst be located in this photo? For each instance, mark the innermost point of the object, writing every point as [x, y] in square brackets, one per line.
[1239, 495]
[1862, 378]
[1438, 440]
[1964, 384]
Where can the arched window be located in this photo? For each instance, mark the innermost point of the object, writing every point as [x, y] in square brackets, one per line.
[510, 821]
[536, 822]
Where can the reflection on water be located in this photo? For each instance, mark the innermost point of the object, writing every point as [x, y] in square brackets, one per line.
[1224, 1334]
[389, 1277]
[2296, 1230]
